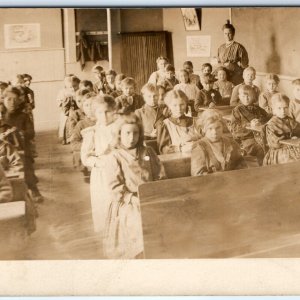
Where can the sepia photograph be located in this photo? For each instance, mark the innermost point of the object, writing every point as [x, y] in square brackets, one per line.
[134, 134]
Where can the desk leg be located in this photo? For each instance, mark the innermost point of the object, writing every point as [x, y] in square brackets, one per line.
[30, 213]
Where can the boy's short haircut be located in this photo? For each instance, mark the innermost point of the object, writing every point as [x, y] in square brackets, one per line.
[120, 77]
[208, 79]
[111, 72]
[206, 65]
[175, 94]
[169, 68]
[272, 76]
[75, 79]
[128, 81]
[87, 83]
[149, 87]
[188, 63]
[278, 98]
[249, 69]
[247, 89]
[97, 69]
[12, 89]
[296, 81]
[27, 76]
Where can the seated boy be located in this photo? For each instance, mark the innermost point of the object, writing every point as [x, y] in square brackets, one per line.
[151, 112]
[248, 76]
[244, 115]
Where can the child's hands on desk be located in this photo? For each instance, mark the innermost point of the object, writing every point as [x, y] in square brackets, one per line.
[186, 147]
[254, 123]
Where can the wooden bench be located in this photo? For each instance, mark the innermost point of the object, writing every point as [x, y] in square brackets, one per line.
[231, 214]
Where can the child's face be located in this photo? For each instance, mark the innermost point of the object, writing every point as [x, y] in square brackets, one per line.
[68, 83]
[206, 70]
[188, 68]
[280, 109]
[151, 98]
[161, 95]
[128, 90]
[214, 131]
[75, 85]
[11, 101]
[130, 135]
[87, 108]
[183, 77]
[296, 92]
[221, 75]
[27, 82]
[118, 85]
[271, 85]
[170, 74]
[104, 114]
[98, 75]
[78, 100]
[207, 86]
[248, 77]
[161, 65]
[110, 78]
[246, 98]
[177, 107]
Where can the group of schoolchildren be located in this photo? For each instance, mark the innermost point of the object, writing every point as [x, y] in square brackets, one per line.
[108, 125]
[17, 144]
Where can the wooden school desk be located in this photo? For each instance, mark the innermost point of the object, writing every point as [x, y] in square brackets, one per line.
[244, 213]
[293, 145]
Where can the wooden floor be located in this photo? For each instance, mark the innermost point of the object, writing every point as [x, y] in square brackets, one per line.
[64, 226]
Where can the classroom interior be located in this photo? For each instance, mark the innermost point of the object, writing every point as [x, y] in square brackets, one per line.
[176, 225]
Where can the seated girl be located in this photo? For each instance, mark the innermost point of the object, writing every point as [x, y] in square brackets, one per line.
[176, 133]
[214, 152]
[190, 89]
[87, 121]
[128, 166]
[109, 85]
[223, 86]
[264, 99]
[280, 127]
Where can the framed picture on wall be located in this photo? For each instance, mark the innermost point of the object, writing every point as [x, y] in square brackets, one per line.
[22, 36]
[191, 18]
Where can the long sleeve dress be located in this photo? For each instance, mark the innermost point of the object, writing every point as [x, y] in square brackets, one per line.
[125, 171]
[236, 55]
[225, 89]
[172, 133]
[210, 157]
[264, 101]
[95, 148]
[277, 130]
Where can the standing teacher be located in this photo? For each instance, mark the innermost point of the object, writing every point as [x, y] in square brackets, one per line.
[232, 55]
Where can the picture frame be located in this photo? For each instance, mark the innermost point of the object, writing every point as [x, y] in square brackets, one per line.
[22, 36]
[191, 18]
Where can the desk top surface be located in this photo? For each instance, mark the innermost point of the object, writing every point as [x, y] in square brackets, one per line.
[174, 156]
[291, 142]
[227, 214]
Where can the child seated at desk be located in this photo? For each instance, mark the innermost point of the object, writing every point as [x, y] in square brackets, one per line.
[294, 107]
[100, 79]
[14, 117]
[86, 85]
[208, 97]
[264, 100]
[176, 133]
[129, 101]
[87, 121]
[194, 78]
[170, 80]
[223, 86]
[6, 193]
[128, 166]
[279, 128]
[151, 112]
[118, 91]
[191, 90]
[249, 75]
[10, 159]
[214, 152]
[246, 114]
[109, 84]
